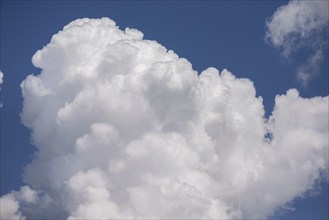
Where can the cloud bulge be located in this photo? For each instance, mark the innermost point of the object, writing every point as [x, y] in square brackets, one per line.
[1, 77]
[125, 128]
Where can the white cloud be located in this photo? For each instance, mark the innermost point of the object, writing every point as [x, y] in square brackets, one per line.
[1, 77]
[11, 202]
[310, 68]
[296, 21]
[9, 208]
[126, 129]
[26, 194]
[1, 81]
[301, 25]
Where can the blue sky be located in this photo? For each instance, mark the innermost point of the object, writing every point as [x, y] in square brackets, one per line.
[222, 34]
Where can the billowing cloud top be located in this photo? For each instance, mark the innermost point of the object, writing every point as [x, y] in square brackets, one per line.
[125, 128]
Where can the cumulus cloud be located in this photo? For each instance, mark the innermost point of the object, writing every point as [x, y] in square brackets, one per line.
[124, 128]
[301, 25]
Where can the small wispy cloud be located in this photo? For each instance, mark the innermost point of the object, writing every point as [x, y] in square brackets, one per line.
[1, 81]
[301, 25]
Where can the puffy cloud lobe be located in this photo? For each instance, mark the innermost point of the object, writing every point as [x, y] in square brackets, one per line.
[1, 77]
[126, 129]
[9, 208]
[301, 25]
[10, 203]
